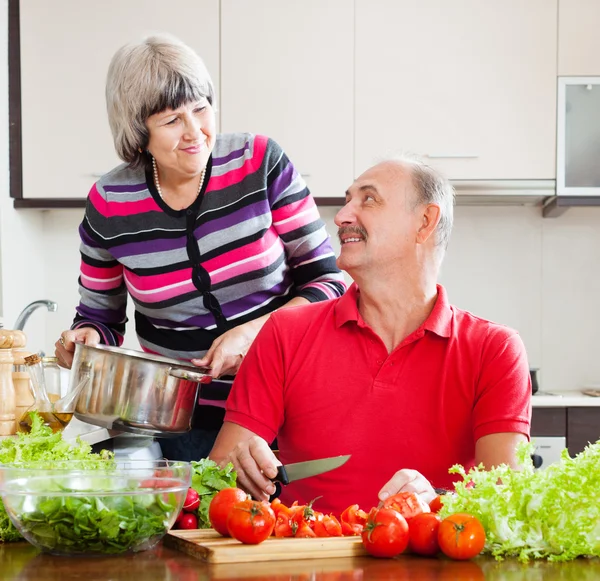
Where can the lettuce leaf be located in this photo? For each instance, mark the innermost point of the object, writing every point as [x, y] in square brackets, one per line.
[552, 513]
[207, 480]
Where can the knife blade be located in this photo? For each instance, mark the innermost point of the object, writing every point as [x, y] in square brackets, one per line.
[299, 470]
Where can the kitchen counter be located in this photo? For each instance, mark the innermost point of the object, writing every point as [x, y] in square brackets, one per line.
[22, 562]
[559, 399]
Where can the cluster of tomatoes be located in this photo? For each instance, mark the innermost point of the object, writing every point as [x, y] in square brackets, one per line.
[401, 522]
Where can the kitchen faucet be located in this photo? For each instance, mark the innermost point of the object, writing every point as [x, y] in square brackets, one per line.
[26, 312]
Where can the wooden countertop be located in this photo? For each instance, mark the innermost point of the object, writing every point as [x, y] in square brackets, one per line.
[22, 562]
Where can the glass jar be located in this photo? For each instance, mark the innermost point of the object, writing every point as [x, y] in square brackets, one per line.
[52, 377]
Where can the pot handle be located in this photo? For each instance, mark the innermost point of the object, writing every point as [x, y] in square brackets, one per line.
[200, 376]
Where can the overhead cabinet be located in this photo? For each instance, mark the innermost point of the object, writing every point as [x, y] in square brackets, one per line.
[66, 47]
[578, 37]
[287, 72]
[469, 85]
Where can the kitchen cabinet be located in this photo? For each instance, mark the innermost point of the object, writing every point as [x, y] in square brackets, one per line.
[579, 425]
[578, 38]
[66, 46]
[287, 72]
[470, 85]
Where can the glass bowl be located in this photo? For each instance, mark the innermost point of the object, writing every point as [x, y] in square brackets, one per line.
[69, 508]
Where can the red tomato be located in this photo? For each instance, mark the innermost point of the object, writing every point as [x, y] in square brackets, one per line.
[436, 504]
[327, 525]
[304, 531]
[354, 515]
[220, 505]
[461, 536]
[423, 534]
[178, 519]
[385, 533]
[408, 504]
[192, 501]
[279, 508]
[251, 522]
[283, 528]
[188, 521]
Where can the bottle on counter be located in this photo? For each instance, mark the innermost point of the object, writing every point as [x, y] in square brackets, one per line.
[42, 404]
[52, 377]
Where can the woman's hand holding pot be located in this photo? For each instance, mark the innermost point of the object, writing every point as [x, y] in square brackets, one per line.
[65, 346]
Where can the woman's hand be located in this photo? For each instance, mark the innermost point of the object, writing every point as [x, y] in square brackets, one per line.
[65, 346]
[227, 351]
[408, 481]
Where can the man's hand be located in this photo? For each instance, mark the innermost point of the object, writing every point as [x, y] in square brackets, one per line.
[255, 463]
[408, 481]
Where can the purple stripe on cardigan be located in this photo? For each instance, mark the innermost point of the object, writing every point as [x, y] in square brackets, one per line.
[148, 247]
[128, 188]
[233, 155]
[281, 183]
[105, 315]
[234, 218]
[87, 240]
[323, 248]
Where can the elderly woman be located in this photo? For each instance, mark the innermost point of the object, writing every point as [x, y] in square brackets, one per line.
[208, 233]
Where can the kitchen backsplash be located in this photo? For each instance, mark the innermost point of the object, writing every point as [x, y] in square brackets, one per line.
[540, 276]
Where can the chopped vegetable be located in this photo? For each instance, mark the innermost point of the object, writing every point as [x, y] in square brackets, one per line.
[207, 480]
[551, 513]
[41, 444]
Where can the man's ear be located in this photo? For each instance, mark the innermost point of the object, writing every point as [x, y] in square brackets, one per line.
[430, 218]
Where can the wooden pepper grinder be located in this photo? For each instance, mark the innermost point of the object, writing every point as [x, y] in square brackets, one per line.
[8, 341]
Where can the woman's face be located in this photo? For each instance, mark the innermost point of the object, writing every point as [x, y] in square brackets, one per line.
[181, 140]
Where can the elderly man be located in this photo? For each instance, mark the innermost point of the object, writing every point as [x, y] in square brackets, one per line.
[390, 373]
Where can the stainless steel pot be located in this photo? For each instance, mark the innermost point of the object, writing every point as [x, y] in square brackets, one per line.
[134, 391]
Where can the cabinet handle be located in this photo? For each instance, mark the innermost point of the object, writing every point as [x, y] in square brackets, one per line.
[452, 155]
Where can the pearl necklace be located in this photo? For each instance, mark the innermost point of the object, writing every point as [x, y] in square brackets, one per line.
[157, 183]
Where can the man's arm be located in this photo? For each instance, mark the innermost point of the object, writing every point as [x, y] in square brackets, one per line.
[251, 456]
[495, 449]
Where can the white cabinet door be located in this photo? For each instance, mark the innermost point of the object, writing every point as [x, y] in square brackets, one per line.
[287, 72]
[66, 46]
[578, 37]
[470, 84]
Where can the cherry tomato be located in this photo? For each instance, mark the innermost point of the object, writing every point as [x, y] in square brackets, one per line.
[423, 534]
[188, 521]
[192, 501]
[436, 504]
[385, 533]
[251, 522]
[220, 505]
[408, 504]
[461, 536]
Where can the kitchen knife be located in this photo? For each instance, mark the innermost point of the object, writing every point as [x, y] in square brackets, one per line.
[298, 470]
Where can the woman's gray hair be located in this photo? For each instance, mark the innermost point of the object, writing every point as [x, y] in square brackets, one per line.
[145, 78]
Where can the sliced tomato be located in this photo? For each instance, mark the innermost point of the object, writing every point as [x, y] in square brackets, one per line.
[408, 504]
[279, 508]
[354, 530]
[283, 528]
[354, 515]
[332, 525]
[304, 531]
[436, 504]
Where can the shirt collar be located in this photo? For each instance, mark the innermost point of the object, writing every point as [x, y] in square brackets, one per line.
[438, 322]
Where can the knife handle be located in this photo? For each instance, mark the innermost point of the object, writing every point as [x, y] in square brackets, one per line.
[281, 476]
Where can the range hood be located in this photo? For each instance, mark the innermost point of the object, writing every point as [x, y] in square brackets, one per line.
[503, 192]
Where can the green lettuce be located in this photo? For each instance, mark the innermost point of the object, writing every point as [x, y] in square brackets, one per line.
[552, 513]
[207, 480]
[42, 445]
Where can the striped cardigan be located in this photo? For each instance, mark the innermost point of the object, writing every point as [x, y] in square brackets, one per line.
[251, 241]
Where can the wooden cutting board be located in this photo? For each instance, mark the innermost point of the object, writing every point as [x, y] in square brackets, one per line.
[208, 545]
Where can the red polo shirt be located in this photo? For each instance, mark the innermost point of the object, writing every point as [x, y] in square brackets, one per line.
[320, 380]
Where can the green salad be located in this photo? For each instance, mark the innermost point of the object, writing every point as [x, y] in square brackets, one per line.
[552, 513]
[42, 445]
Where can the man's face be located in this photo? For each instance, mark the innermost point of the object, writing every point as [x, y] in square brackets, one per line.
[378, 225]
